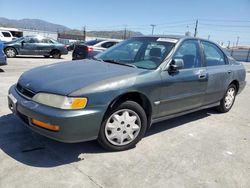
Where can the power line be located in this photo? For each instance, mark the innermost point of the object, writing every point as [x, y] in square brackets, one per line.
[219, 25]
[221, 20]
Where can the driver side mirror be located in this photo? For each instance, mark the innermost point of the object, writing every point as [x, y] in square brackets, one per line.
[175, 65]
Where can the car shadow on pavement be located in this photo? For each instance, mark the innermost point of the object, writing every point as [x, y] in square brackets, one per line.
[178, 121]
[34, 57]
[32, 149]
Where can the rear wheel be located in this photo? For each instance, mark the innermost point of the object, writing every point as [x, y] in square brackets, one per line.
[123, 127]
[227, 101]
[46, 56]
[10, 52]
[56, 54]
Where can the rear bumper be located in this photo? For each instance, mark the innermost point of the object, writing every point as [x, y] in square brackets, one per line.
[75, 125]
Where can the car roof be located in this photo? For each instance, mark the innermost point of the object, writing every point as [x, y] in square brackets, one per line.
[177, 37]
[164, 36]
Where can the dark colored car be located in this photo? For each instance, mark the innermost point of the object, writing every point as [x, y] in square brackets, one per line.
[3, 60]
[119, 95]
[91, 48]
[35, 45]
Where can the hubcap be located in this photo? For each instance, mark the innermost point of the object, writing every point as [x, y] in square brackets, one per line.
[122, 127]
[229, 99]
[10, 53]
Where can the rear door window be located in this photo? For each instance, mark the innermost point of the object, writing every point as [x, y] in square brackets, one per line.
[213, 55]
[47, 41]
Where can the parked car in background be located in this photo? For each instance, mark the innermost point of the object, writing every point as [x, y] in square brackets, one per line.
[6, 36]
[35, 45]
[91, 48]
[115, 97]
[3, 60]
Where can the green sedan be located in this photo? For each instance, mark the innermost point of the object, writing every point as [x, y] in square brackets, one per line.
[119, 94]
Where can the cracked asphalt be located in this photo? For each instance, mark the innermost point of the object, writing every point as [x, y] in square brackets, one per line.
[202, 149]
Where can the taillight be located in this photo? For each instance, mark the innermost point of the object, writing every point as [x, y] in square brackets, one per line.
[90, 49]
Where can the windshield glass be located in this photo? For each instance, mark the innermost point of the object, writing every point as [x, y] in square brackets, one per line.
[142, 52]
[17, 39]
[54, 41]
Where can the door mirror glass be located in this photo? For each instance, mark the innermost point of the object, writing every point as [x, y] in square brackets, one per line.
[175, 65]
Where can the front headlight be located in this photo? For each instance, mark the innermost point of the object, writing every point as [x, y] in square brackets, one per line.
[59, 101]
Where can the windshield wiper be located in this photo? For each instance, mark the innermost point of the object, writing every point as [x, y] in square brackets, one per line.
[119, 63]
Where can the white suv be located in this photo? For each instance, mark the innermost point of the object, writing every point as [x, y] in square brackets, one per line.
[6, 36]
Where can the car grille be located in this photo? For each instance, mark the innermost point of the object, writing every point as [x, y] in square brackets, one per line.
[25, 92]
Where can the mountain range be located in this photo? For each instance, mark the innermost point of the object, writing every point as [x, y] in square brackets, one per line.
[38, 24]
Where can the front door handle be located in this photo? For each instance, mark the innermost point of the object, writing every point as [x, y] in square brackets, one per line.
[229, 71]
[202, 76]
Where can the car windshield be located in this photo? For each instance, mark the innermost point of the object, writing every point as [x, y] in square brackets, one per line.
[141, 52]
[54, 41]
[18, 39]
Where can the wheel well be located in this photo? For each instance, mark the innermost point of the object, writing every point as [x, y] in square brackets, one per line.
[54, 50]
[136, 97]
[236, 83]
[12, 48]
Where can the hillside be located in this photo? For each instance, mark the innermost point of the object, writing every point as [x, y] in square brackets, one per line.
[37, 24]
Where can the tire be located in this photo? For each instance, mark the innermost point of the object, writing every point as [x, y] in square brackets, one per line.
[227, 101]
[56, 54]
[10, 52]
[46, 56]
[118, 133]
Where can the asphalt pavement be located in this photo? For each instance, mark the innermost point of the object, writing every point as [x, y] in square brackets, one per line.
[202, 149]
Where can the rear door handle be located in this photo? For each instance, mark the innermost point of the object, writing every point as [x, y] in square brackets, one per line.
[229, 72]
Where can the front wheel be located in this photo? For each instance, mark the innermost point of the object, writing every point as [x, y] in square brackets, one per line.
[56, 54]
[123, 127]
[10, 52]
[227, 101]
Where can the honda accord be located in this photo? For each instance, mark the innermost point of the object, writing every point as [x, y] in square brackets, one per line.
[117, 96]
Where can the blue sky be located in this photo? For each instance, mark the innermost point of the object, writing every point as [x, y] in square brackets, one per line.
[223, 20]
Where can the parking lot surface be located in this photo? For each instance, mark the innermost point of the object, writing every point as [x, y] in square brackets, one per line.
[202, 149]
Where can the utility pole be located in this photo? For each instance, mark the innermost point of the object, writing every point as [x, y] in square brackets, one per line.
[153, 28]
[228, 46]
[84, 33]
[125, 33]
[238, 38]
[208, 37]
[196, 28]
[129, 34]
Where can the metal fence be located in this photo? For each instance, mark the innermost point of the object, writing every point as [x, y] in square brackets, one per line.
[240, 54]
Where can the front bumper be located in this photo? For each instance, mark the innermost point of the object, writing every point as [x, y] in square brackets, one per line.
[75, 125]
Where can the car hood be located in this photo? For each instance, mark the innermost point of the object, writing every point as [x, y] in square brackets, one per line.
[9, 42]
[67, 77]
